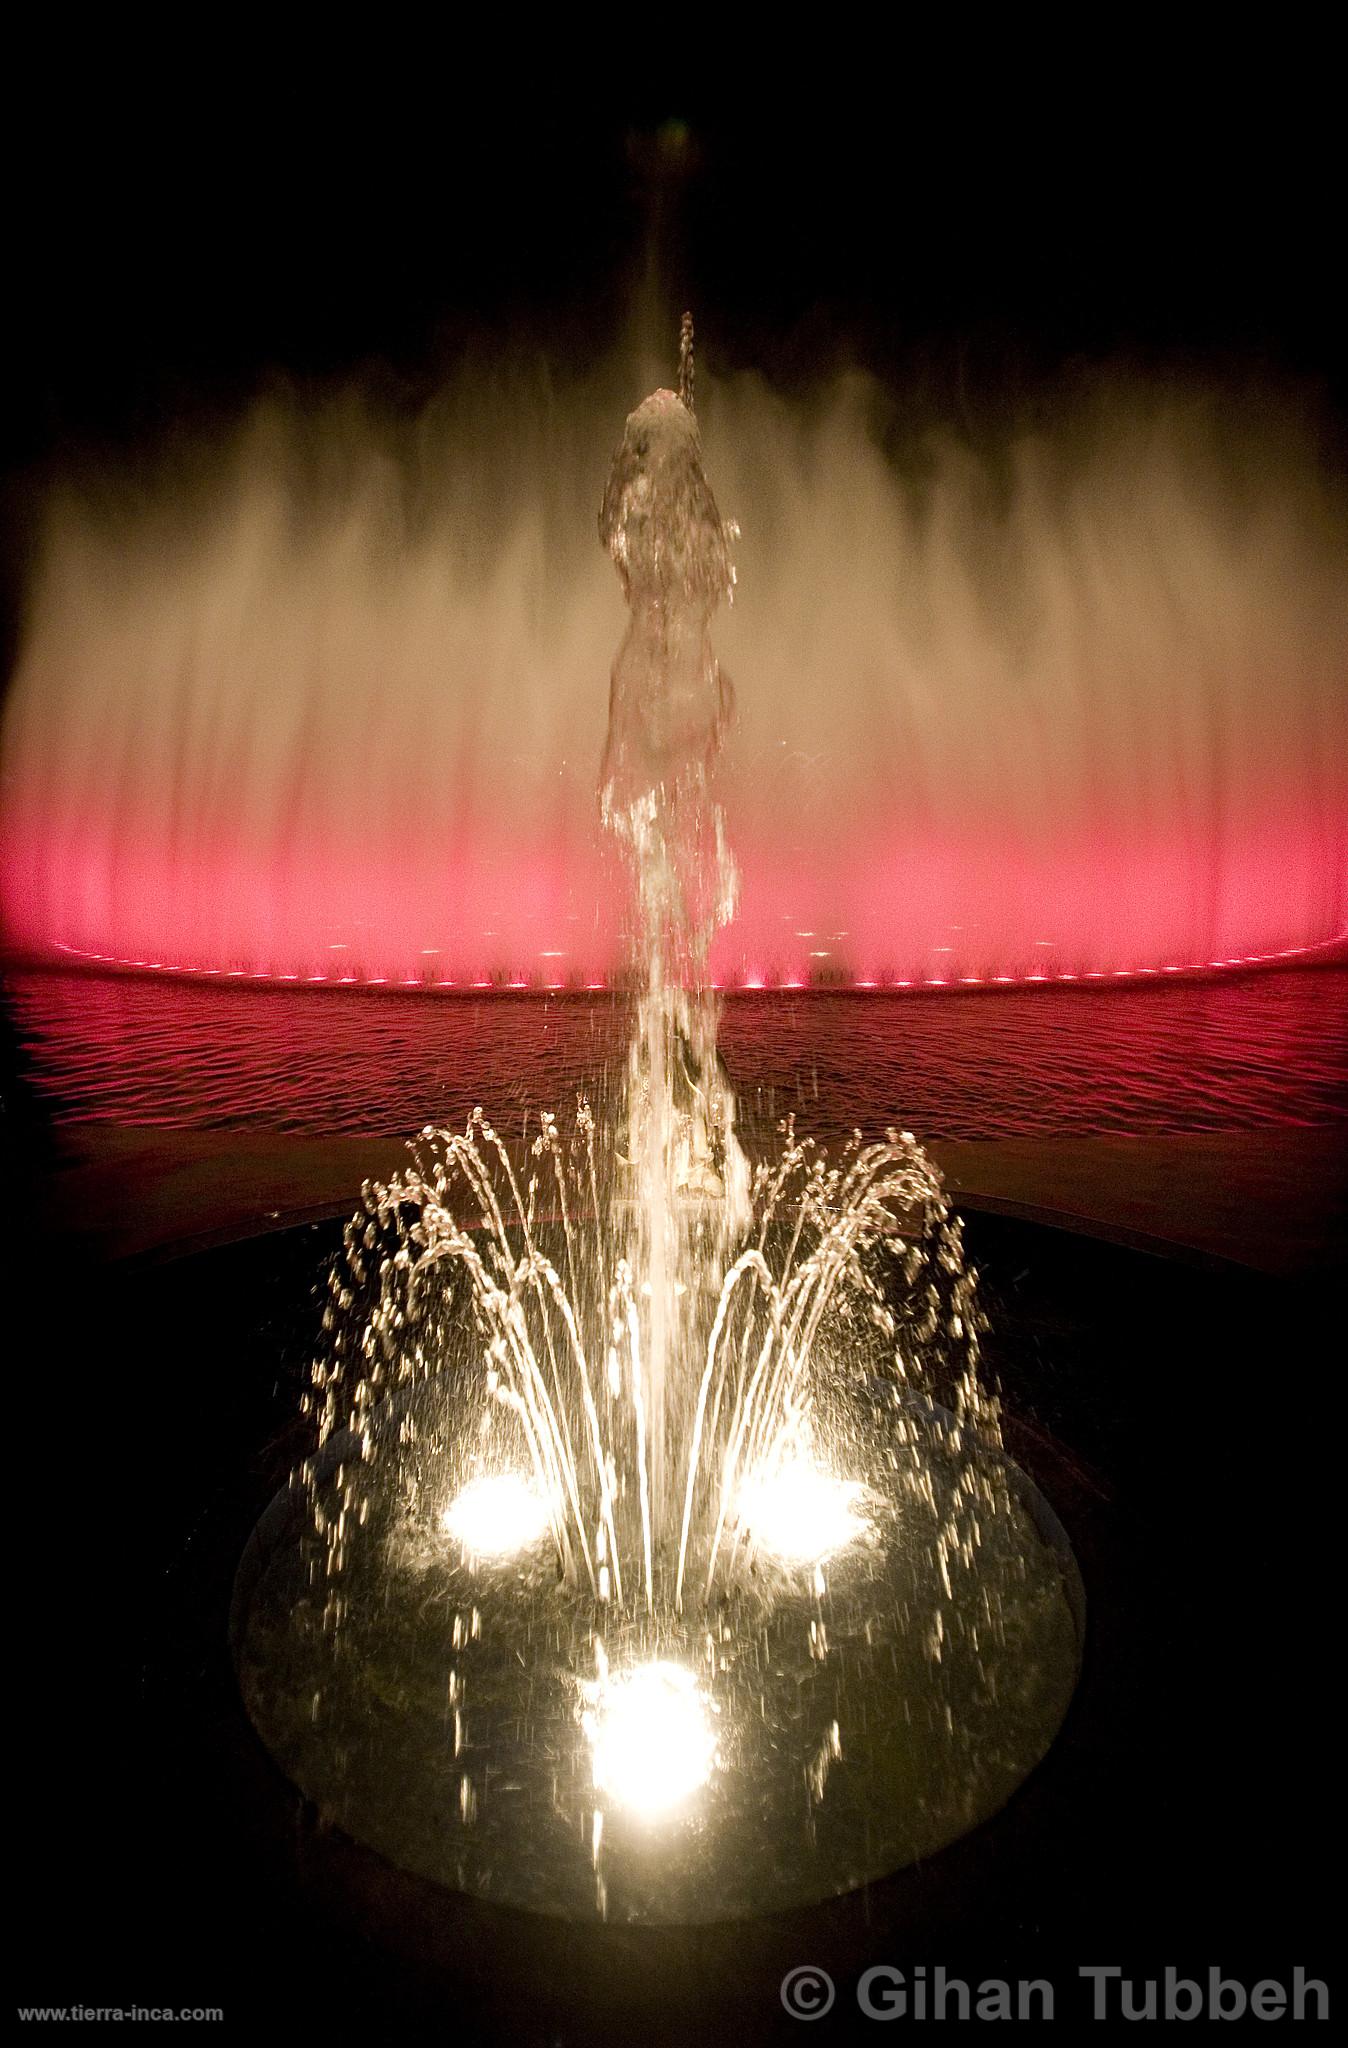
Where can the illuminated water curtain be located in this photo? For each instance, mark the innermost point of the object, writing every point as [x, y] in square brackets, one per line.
[1070, 712]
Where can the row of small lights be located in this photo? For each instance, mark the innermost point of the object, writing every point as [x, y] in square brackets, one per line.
[751, 984]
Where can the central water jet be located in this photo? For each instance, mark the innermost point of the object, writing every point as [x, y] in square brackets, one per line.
[669, 706]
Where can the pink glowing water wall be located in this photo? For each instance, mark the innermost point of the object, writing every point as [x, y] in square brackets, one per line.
[327, 703]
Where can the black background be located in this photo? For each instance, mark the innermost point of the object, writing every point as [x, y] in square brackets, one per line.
[181, 229]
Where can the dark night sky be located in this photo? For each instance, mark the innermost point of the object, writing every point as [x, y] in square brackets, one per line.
[163, 259]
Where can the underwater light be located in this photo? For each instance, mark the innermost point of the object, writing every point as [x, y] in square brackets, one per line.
[800, 1513]
[497, 1515]
[652, 1739]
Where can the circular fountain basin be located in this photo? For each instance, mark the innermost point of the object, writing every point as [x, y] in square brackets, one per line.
[857, 1714]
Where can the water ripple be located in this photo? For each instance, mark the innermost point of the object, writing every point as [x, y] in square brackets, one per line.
[1266, 1051]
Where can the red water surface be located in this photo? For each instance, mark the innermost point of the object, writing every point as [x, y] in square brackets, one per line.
[1170, 1055]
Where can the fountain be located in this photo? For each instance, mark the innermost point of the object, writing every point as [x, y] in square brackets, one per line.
[658, 1558]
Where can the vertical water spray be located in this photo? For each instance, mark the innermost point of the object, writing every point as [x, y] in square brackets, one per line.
[669, 706]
